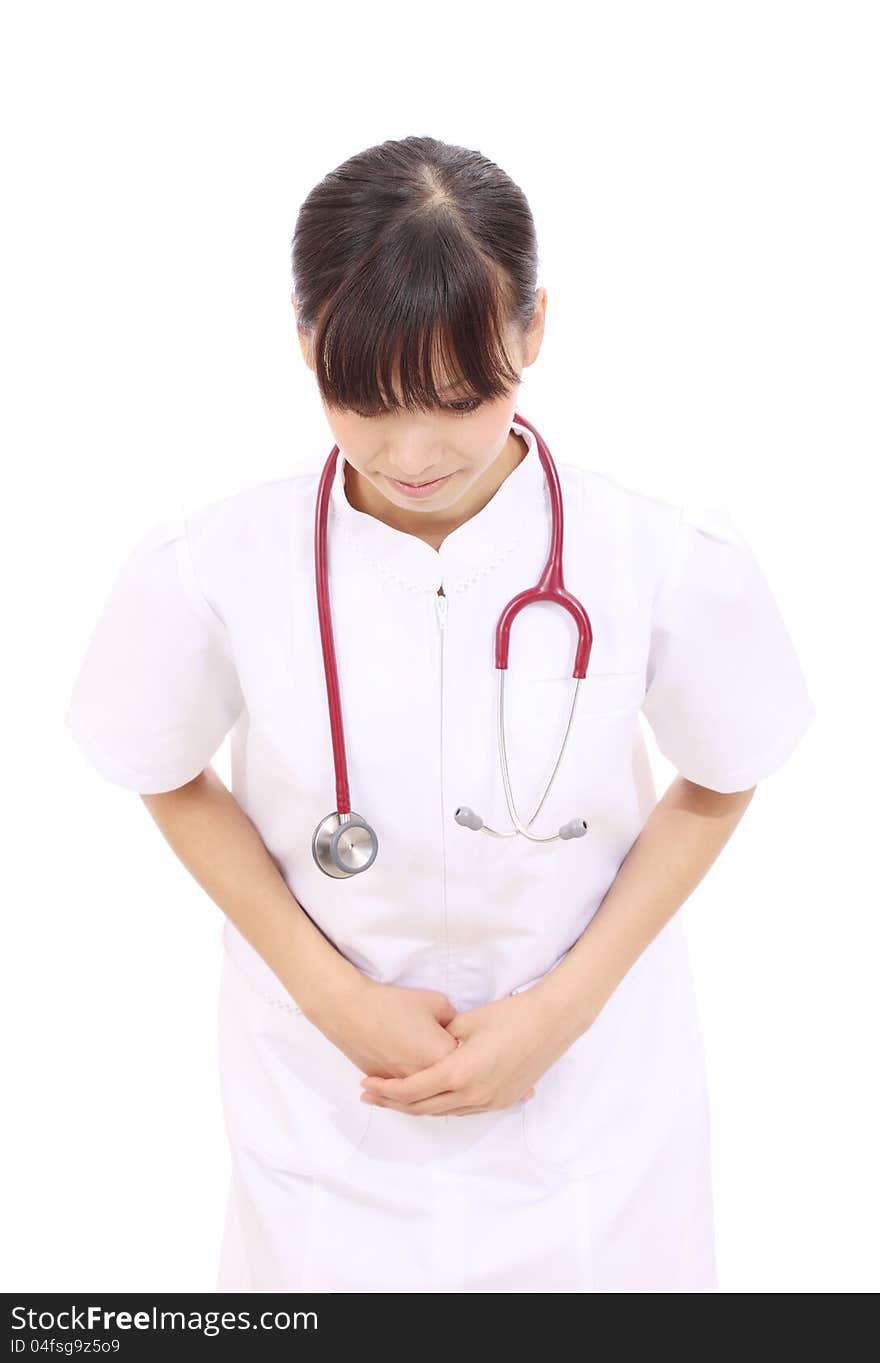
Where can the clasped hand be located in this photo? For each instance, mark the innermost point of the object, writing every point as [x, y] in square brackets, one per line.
[420, 1056]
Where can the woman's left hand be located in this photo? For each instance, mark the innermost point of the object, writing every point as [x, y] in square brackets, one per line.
[504, 1047]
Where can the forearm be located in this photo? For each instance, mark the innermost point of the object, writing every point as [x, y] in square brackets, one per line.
[219, 845]
[680, 840]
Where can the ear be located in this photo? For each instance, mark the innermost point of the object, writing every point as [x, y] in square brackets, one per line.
[535, 332]
[304, 342]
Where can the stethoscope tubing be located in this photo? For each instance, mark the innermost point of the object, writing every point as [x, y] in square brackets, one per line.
[351, 828]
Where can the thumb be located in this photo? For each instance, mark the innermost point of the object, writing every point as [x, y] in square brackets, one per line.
[445, 1012]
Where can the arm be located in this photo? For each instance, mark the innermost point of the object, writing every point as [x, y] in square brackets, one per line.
[383, 1029]
[680, 840]
[219, 845]
[511, 1042]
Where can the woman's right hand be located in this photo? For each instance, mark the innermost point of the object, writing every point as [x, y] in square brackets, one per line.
[388, 1030]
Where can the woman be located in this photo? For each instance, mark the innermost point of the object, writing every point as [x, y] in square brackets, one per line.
[476, 1066]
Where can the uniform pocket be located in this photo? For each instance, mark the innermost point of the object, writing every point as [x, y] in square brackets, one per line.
[619, 1089]
[291, 1098]
[600, 692]
[598, 749]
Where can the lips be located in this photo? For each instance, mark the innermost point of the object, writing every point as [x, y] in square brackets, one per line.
[427, 482]
[418, 489]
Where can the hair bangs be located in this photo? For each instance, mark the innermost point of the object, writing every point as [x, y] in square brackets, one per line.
[414, 329]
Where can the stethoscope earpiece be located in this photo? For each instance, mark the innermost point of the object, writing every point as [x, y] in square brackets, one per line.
[344, 844]
[575, 828]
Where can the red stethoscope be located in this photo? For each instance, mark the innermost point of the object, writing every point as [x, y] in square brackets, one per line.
[344, 844]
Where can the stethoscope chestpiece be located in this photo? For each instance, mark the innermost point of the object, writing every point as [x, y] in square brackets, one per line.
[343, 845]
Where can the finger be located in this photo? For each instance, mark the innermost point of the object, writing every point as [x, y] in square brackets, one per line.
[442, 1104]
[492, 1107]
[413, 1088]
[483, 1107]
[419, 1109]
[446, 1013]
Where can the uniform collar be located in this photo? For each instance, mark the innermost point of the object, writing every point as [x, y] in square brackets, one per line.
[468, 552]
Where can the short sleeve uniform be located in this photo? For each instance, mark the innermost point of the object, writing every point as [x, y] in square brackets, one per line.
[602, 1181]
[725, 697]
[157, 690]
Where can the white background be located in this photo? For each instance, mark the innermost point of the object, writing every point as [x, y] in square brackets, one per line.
[704, 182]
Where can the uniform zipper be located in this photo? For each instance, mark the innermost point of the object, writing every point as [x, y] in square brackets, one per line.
[442, 606]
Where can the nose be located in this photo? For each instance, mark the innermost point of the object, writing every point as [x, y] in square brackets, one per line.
[414, 458]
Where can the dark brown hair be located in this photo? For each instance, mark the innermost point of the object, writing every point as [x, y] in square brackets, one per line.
[410, 252]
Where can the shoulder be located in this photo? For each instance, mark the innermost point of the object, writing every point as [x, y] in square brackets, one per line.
[603, 494]
[634, 529]
[247, 518]
[241, 542]
[667, 526]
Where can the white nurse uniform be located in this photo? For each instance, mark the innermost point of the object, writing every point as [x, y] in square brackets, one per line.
[601, 1182]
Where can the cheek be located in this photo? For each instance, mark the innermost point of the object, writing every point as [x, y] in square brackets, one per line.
[355, 437]
[487, 434]
[345, 430]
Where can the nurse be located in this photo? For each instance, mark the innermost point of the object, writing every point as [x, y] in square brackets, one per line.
[476, 1066]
